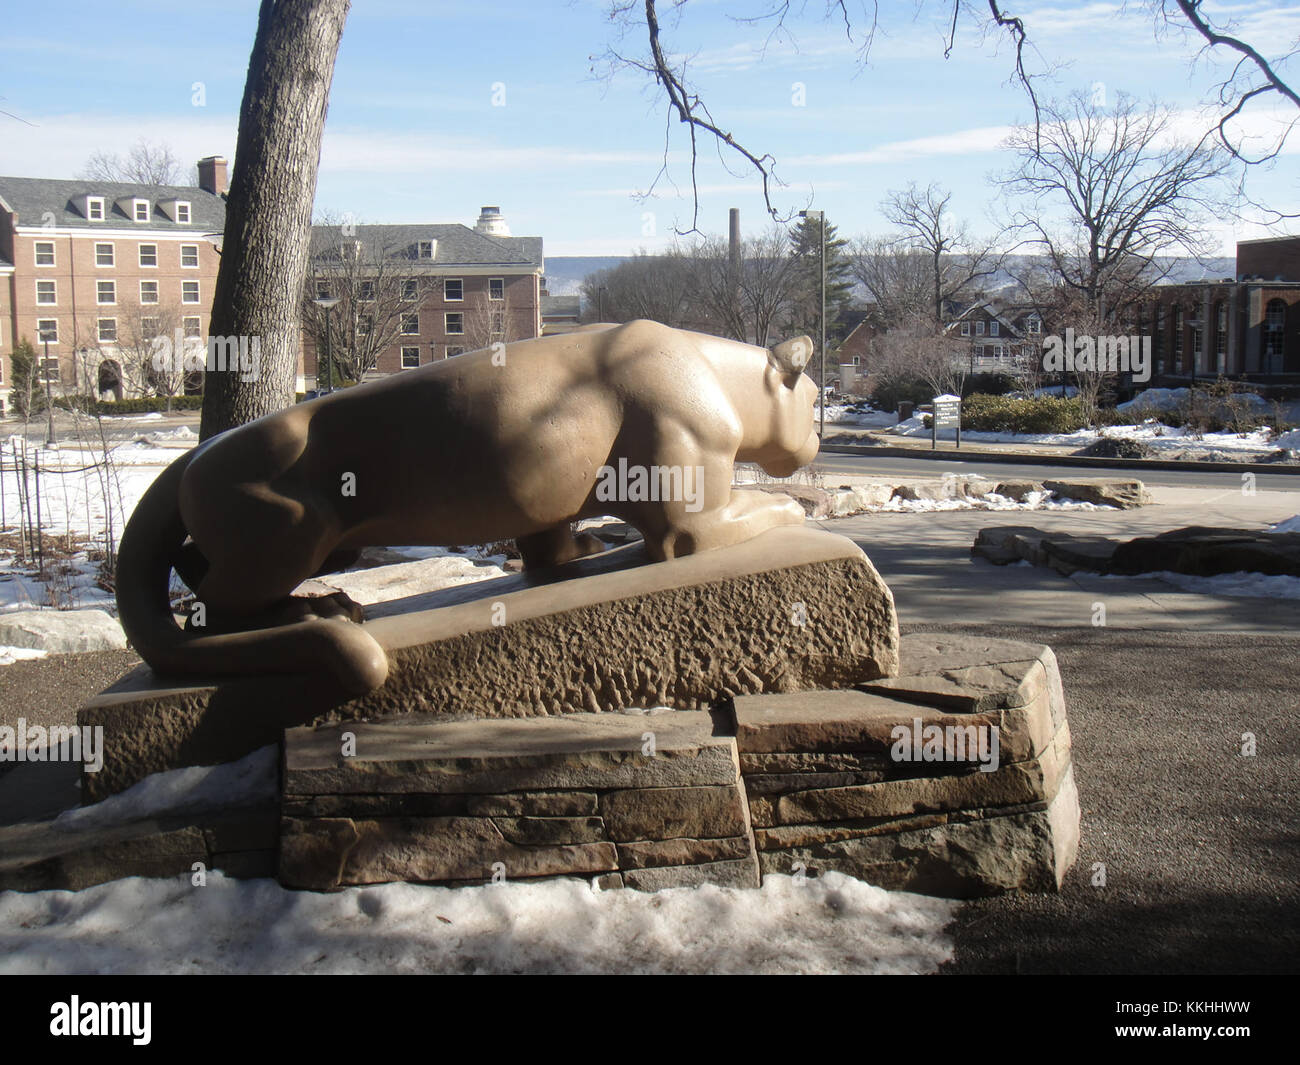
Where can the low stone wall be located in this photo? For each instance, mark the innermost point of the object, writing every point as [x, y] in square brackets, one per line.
[979, 800]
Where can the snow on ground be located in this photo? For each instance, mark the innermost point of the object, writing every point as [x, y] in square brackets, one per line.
[1169, 399]
[856, 414]
[831, 924]
[10, 655]
[992, 501]
[1235, 585]
[1157, 436]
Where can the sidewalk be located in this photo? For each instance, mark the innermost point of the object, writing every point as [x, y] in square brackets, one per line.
[925, 559]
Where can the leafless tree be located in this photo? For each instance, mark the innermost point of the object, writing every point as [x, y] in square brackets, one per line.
[918, 350]
[956, 261]
[1253, 78]
[145, 163]
[657, 287]
[896, 279]
[267, 242]
[1129, 188]
[146, 332]
[488, 322]
[374, 290]
[746, 296]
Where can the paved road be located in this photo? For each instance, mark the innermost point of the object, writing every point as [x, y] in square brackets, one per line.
[833, 464]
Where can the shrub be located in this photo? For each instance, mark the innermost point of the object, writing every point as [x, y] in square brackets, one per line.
[144, 405]
[1001, 414]
[888, 394]
[1116, 447]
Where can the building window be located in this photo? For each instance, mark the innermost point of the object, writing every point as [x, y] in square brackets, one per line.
[1197, 345]
[1274, 325]
[453, 351]
[189, 292]
[189, 255]
[455, 324]
[993, 328]
[366, 292]
[453, 288]
[104, 255]
[1176, 322]
[95, 208]
[410, 358]
[150, 327]
[965, 330]
[1220, 328]
[323, 291]
[140, 210]
[148, 291]
[365, 324]
[106, 292]
[46, 294]
[979, 329]
[45, 253]
[1034, 326]
[410, 288]
[496, 288]
[426, 249]
[499, 323]
[148, 254]
[410, 325]
[108, 330]
[192, 325]
[47, 329]
[182, 212]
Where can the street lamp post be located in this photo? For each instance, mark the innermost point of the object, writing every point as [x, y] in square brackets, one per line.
[820, 217]
[50, 440]
[329, 303]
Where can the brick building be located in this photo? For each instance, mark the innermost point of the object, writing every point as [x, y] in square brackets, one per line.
[1246, 327]
[458, 289]
[97, 265]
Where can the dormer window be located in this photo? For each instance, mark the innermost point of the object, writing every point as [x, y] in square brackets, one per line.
[425, 249]
[140, 210]
[1035, 326]
[177, 210]
[183, 212]
[95, 208]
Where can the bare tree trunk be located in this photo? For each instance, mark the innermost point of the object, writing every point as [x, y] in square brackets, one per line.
[268, 211]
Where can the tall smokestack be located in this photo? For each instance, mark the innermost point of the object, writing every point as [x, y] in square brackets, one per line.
[733, 246]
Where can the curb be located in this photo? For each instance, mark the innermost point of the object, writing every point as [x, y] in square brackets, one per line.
[1022, 458]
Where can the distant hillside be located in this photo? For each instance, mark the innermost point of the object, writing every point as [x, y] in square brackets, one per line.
[565, 273]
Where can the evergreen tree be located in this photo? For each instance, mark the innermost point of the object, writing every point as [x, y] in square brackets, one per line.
[27, 395]
[805, 248]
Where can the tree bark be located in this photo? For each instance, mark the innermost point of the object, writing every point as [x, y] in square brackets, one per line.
[267, 240]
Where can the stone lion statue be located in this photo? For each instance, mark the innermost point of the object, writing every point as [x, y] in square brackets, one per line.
[639, 421]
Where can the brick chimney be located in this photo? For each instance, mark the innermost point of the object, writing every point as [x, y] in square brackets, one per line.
[212, 175]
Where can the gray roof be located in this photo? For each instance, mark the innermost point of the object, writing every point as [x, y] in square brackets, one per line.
[561, 306]
[457, 245]
[30, 198]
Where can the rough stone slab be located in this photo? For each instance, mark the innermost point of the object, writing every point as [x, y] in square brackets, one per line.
[61, 631]
[149, 854]
[1009, 785]
[860, 497]
[535, 830]
[741, 874]
[968, 673]
[370, 806]
[860, 726]
[612, 631]
[1102, 491]
[782, 783]
[654, 853]
[990, 856]
[670, 813]
[488, 756]
[816, 502]
[534, 804]
[324, 853]
[1018, 490]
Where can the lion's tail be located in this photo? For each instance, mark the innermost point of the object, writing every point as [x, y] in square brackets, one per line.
[151, 542]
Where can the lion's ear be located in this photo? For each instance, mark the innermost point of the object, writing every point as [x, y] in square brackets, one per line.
[791, 356]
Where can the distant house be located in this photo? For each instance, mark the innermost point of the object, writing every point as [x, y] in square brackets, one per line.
[998, 336]
[462, 288]
[560, 314]
[93, 265]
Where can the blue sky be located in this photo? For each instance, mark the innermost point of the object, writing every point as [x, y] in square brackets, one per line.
[440, 107]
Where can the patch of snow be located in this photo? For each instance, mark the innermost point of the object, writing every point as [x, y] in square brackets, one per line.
[1289, 525]
[830, 924]
[1289, 440]
[178, 791]
[1169, 399]
[1235, 585]
[992, 501]
[10, 655]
